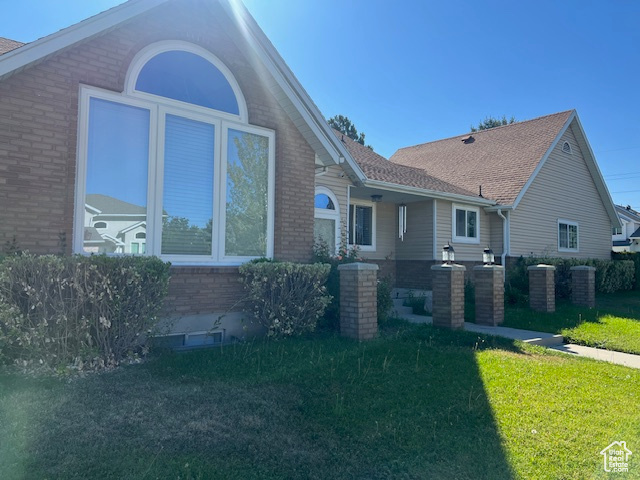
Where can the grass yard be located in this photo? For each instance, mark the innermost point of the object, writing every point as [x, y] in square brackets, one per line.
[418, 403]
[613, 325]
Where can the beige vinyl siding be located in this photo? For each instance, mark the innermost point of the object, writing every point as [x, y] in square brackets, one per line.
[563, 189]
[418, 241]
[386, 232]
[496, 233]
[463, 251]
[339, 186]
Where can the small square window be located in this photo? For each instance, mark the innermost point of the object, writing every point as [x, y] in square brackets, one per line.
[567, 236]
[466, 228]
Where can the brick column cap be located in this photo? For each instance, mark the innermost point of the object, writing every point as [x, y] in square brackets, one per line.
[449, 267]
[584, 267]
[358, 266]
[488, 267]
[541, 267]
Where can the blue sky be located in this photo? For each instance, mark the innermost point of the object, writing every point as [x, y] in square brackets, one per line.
[411, 71]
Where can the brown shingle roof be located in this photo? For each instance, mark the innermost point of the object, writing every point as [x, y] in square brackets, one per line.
[500, 159]
[6, 45]
[376, 167]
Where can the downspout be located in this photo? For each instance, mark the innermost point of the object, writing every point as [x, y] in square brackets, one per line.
[505, 238]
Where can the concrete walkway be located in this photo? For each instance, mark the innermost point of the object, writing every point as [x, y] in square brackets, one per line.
[549, 340]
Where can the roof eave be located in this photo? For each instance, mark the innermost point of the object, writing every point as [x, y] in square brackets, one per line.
[425, 192]
[21, 57]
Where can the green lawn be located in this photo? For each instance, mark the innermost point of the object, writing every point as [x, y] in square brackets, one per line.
[613, 325]
[419, 402]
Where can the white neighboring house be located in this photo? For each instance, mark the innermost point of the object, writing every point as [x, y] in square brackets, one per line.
[627, 238]
[114, 226]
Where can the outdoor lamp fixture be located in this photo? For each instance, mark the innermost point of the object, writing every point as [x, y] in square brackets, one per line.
[488, 258]
[402, 221]
[448, 254]
[376, 198]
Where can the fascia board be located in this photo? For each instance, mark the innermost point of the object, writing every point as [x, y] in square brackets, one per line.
[598, 179]
[543, 160]
[41, 48]
[428, 193]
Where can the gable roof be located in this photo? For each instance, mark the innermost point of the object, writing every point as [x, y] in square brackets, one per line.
[6, 45]
[500, 159]
[504, 160]
[378, 168]
[628, 212]
[284, 86]
[107, 205]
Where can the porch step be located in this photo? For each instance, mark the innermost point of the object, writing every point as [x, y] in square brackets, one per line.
[401, 294]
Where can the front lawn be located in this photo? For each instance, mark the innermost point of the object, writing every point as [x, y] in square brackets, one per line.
[613, 325]
[418, 403]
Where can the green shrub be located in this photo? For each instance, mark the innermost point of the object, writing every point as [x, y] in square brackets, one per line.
[321, 254]
[385, 302]
[331, 318]
[286, 298]
[635, 258]
[611, 276]
[89, 312]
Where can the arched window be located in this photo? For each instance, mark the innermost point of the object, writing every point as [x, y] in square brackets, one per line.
[566, 148]
[141, 235]
[175, 151]
[326, 227]
[100, 225]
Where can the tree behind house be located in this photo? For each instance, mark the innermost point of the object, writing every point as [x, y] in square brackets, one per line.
[492, 122]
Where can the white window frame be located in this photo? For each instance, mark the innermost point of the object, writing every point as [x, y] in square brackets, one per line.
[158, 108]
[464, 239]
[329, 214]
[356, 202]
[568, 223]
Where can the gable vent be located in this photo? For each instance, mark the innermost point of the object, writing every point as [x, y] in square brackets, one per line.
[566, 148]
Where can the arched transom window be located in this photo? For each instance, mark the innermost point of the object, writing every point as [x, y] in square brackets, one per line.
[175, 152]
[326, 227]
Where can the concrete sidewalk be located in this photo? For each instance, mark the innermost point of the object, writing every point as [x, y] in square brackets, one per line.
[549, 340]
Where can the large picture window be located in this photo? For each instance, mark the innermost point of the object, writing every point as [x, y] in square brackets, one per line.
[174, 176]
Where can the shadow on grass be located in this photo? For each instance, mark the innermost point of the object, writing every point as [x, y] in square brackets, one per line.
[409, 405]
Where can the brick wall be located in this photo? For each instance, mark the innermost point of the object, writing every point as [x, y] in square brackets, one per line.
[38, 124]
[542, 288]
[358, 300]
[489, 298]
[448, 295]
[583, 286]
[38, 139]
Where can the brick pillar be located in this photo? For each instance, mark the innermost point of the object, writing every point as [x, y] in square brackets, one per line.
[448, 295]
[583, 286]
[359, 300]
[489, 283]
[542, 288]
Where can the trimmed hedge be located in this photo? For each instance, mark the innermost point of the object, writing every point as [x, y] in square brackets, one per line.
[611, 276]
[633, 257]
[285, 298]
[80, 312]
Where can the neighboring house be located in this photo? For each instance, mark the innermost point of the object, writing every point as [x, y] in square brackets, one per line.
[626, 238]
[174, 128]
[120, 226]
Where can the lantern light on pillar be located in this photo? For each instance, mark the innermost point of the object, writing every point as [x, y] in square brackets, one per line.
[448, 254]
[488, 258]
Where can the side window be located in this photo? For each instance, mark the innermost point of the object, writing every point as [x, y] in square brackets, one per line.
[466, 224]
[567, 236]
[326, 225]
[362, 225]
